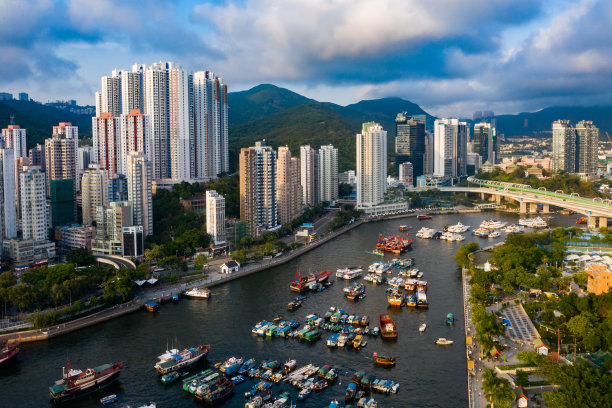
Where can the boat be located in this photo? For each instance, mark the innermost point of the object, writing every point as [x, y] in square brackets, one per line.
[492, 224]
[351, 391]
[395, 299]
[349, 273]
[332, 341]
[301, 284]
[238, 379]
[77, 383]
[582, 220]
[371, 403]
[8, 352]
[149, 405]
[450, 318]
[331, 375]
[109, 399]
[384, 359]
[356, 292]
[387, 326]
[217, 392]
[458, 228]
[411, 300]
[198, 292]
[422, 299]
[395, 244]
[423, 217]
[341, 340]
[152, 306]
[305, 392]
[357, 341]
[481, 232]
[426, 233]
[246, 366]
[333, 404]
[513, 229]
[441, 341]
[377, 253]
[323, 370]
[422, 327]
[403, 228]
[289, 366]
[170, 377]
[494, 234]
[175, 298]
[294, 305]
[231, 365]
[175, 360]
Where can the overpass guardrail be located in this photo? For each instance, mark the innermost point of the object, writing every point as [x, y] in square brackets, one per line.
[528, 189]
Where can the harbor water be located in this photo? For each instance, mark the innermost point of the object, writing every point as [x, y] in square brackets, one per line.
[430, 375]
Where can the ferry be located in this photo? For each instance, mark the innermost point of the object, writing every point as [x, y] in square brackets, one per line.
[198, 293]
[151, 306]
[441, 341]
[384, 359]
[301, 284]
[8, 352]
[175, 360]
[349, 273]
[387, 326]
[76, 383]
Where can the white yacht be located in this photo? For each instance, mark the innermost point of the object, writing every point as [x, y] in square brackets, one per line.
[513, 229]
[538, 222]
[494, 234]
[198, 293]
[349, 273]
[422, 327]
[458, 228]
[492, 224]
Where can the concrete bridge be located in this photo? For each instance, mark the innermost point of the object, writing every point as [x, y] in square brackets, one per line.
[596, 209]
[117, 262]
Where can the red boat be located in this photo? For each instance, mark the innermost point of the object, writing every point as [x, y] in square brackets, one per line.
[387, 327]
[8, 352]
[423, 217]
[396, 244]
[301, 284]
[77, 383]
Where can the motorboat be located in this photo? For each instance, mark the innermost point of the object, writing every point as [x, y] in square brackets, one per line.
[422, 327]
[458, 228]
[441, 341]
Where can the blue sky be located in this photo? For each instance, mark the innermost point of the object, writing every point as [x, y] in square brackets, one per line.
[450, 57]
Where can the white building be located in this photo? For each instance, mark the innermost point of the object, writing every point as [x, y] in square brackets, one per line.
[106, 131]
[132, 90]
[564, 146]
[135, 136]
[33, 204]
[405, 173]
[14, 137]
[110, 97]
[328, 173]
[180, 122]
[8, 208]
[309, 175]
[371, 165]
[215, 217]
[450, 148]
[139, 190]
[94, 192]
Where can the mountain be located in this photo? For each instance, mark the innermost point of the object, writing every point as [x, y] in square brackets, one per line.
[385, 110]
[39, 119]
[312, 123]
[531, 123]
[261, 101]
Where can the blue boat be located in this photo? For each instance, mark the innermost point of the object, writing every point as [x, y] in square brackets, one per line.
[109, 399]
[251, 393]
[304, 393]
[351, 390]
[333, 404]
[450, 318]
[175, 298]
[238, 379]
[244, 369]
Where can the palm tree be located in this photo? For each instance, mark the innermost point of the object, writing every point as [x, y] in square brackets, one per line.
[503, 396]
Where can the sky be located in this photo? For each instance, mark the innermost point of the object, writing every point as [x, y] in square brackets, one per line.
[451, 57]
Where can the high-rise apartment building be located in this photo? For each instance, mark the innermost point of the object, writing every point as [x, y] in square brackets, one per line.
[135, 135]
[288, 187]
[61, 155]
[110, 97]
[14, 137]
[210, 125]
[309, 175]
[37, 156]
[181, 122]
[94, 192]
[328, 173]
[450, 148]
[215, 217]
[139, 190]
[8, 208]
[587, 142]
[118, 188]
[371, 165]
[485, 142]
[410, 142]
[406, 173]
[258, 206]
[106, 134]
[564, 146]
[32, 186]
[132, 90]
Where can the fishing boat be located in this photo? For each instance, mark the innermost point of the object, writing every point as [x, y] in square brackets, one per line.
[198, 292]
[395, 244]
[403, 228]
[582, 220]
[358, 341]
[170, 377]
[289, 366]
[377, 253]
[387, 327]
[395, 298]
[411, 300]
[423, 217]
[341, 340]
[217, 392]
[450, 318]
[301, 284]
[384, 359]
[8, 352]
[441, 341]
[109, 399]
[231, 366]
[332, 341]
[175, 360]
[422, 299]
[238, 379]
[351, 391]
[422, 327]
[152, 306]
[333, 404]
[77, 383]
[356, 292]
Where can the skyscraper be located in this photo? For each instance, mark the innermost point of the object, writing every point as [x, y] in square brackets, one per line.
[587, 141]
[288, 187]
[14, 137]
[215, 217]
[110, 97]
[371, 165]
[450, 148]
[139, 190]
[328, 173]
[564, 146]
[135, 135]
[309, 175]
[410, 142]
[131, 90]
[258, 207]
[32, 187]
[181, 122]
[8, 208]
[94, 192]
[61, 155]
[106, 134]
[485, 142]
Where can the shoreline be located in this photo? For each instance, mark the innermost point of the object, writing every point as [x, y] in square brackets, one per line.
[165, 294]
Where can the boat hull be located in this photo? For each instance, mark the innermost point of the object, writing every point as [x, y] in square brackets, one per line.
[81, 392]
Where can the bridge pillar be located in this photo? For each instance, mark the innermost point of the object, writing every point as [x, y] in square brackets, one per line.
[592, 222]
[498, 198]
[603, 222]
[533, 207]
[482, 196]
[523, 209]
[545, 208]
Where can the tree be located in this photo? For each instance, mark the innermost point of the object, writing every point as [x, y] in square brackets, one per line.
[522, 378]
[80, 257]
[462, 256]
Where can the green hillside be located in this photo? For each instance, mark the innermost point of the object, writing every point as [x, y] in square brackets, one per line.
[313, 123]
[384, 110]
[261, 101]
[39, 119]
